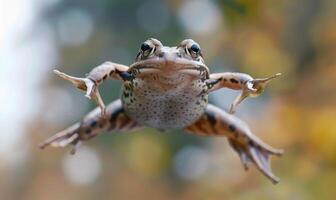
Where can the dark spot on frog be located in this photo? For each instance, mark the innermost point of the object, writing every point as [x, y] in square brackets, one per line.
[251, 143]
[88, 131]
[93, 124]
[232, 128]
[234, 81]
[115, 114]
[126, 94]
[211, 118]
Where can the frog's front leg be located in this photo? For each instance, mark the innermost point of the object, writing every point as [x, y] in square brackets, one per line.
[93, 124]
[239, 81]
[97, 75]
[216, 122]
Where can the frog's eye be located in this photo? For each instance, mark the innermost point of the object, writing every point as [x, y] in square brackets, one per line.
[146, 49]
[195, 48]
[194, 51]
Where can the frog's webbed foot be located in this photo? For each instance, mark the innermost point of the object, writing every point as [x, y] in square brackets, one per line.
[87, 85]
[251, 88]
[258, 154]
[64, 138]
[251, 150]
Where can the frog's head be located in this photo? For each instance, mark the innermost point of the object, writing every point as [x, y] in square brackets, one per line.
[183, 58]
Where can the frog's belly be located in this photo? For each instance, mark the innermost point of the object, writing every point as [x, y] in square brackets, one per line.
[165, 111]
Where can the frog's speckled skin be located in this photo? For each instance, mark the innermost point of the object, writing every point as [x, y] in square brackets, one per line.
[167, 88]
[177, 108]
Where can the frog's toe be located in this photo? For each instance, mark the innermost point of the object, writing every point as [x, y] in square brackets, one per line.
[80, 83]
[252, 88]
[254, 153]
[86, 85]
[259, 84]
[237, 101]
[63, 138]
[251, 149]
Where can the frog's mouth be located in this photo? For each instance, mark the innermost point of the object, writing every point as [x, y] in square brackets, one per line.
[170, 67]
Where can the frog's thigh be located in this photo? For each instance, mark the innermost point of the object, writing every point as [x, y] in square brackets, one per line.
[216, 122]
[116, 120]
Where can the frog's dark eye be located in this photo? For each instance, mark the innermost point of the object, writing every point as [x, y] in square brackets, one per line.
[145, 47]
[195, 48]
[194, 51]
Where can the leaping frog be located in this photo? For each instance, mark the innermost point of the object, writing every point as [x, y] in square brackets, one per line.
[168, 88]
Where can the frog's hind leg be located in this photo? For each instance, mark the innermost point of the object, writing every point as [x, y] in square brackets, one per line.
[92, 125]
[216, 122]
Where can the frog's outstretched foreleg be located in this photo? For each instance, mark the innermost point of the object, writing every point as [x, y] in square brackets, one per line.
[93, 124]
[239, 81]
[90, 83]
[216, 122]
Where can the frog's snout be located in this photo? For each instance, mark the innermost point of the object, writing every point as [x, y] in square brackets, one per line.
[170, 58]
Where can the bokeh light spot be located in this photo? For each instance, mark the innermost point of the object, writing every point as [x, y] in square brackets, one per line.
[200, 17]
[82, 168]
[75, 27]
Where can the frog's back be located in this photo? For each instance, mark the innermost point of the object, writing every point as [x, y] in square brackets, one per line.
[165, 103]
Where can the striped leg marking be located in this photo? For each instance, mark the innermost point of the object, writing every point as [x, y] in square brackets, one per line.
[216, 122]
[249, 86]
[92, 125]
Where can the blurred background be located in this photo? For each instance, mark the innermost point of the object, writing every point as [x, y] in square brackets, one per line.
[260, 37]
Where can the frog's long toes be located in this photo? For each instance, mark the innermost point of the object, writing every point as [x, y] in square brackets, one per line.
[238, 100]
[78, 82]
[90, 88]
[63, 138]
[258, 154]
[76, 147]
[261, 160]
[262, 82]
[95, 95]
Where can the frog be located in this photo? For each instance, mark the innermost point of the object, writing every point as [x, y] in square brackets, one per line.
[167, 88]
